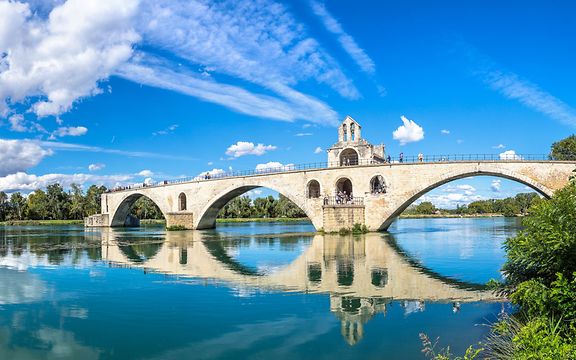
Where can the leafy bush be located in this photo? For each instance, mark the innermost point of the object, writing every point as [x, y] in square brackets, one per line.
[175, 228]
[359, 229]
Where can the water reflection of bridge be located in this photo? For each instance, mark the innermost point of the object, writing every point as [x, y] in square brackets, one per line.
[362, 274]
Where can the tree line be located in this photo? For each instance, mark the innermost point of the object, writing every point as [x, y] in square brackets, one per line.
[57, 204]
[511, 206]
[52, 204]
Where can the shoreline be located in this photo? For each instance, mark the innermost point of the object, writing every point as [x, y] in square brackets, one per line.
[237, 220]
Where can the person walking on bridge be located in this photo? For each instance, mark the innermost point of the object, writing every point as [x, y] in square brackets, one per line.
[401, 159]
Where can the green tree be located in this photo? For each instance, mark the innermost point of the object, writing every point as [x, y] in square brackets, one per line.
[425, 208]
[58, 202]
[286, 208]
[18, 206]
[239, 207]
[264, 207]
[564, 149]
[4, 206]
[77, 202]
[144, 208]
[38, 208]
[93, 196]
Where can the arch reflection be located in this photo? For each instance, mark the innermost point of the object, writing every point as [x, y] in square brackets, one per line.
[361, 274]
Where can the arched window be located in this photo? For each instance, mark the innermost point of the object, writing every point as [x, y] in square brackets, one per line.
[352, 132]
[377, 185]
[379, 277]
[348, 157]
[182, 202]
[313, 189]
[345, 132]
[344, 191]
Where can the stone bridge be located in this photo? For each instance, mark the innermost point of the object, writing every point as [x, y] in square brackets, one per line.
[380, 191]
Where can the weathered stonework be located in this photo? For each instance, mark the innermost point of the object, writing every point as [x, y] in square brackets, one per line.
[404, 184]
[98, 220]
[342, 216]
[184, 219]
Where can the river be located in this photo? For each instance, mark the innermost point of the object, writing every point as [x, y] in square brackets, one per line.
[248, 290]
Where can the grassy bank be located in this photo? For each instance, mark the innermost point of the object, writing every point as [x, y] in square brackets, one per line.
[241, 220]
[40, 222]
[425, 216]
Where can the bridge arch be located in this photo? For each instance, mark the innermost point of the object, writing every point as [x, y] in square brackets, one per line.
[449, 177]
[120, 214]
[207, 216]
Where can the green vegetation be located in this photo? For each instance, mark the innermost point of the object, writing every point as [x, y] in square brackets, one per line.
[242, 220]
[40, 222]
[512, 206]
[564, 149]
[52, 204]
[540, 278]
[175, 228]
[268, 207]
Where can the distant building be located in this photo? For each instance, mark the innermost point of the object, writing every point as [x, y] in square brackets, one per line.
[351, 149]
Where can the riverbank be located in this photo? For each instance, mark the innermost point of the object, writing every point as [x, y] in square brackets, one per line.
[439, 216]
[40, 222]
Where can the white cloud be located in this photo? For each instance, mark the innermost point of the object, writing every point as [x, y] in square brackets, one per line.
[510, 155]
[211, 173]
[210, 163]
[450, 200]
[273, 166]
[303, 134]
[59, 59]
[465, 188]
[496, 185]
[69, 131]
[499, 146]
[346, 41]
[459, 141]
[145, 173]
[21, 181]
[169, 130]
[148, 181]
[409, 132]
[512, 86]
[318, 150]
[16, 123]
[445, 132]
[242, 148]
[20, 155]
[96, 167]
[62, 146]
[62, 51]
[291, 106]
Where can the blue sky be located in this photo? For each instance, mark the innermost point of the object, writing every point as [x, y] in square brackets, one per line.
[119, 91]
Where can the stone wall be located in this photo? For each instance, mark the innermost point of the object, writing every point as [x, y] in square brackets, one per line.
[342, 216]
[185, 219]
[98, 220]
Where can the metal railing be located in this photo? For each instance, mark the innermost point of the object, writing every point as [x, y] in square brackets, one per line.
[342, 201]
[392, 160]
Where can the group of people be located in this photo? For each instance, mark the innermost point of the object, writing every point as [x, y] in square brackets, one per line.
[401, 158]
[343, 198]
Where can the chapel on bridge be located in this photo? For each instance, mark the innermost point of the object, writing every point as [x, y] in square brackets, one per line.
[352, 149]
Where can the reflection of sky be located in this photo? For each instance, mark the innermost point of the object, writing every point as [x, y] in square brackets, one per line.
[263, 228]
[17, 287]
[463, 249]
[270, 256]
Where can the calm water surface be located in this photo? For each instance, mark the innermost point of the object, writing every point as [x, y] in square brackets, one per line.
[248, 290]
